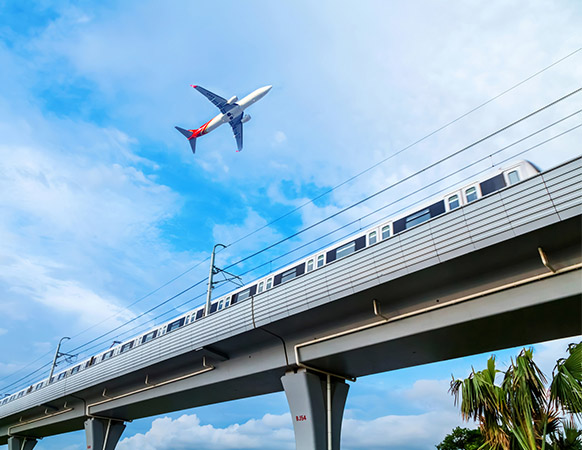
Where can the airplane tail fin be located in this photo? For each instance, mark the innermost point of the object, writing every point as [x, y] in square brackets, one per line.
[188, 134]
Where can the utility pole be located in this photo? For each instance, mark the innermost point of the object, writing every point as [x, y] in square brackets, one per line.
[210, 276]
[58, 354]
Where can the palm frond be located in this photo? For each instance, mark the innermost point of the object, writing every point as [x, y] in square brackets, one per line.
[566, 387]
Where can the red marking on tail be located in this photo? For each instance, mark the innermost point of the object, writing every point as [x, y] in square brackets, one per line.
[200, 131]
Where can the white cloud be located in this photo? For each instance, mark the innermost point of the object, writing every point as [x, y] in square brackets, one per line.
[398, 432]
[231, 232]
[31, 279]
[8, 368]
[269, 432]
[280, 137]
[275, 432]
[429, 395]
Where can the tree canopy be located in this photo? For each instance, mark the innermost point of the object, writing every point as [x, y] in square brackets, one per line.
[521, 412]
[462, 439]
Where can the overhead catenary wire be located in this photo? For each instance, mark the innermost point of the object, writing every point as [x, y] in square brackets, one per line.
[359, 174]
[507, 159]
[323, 194]
[365, 216]
[426, 186]
[400, 182]
[430, 166]
[140, 315]
[418, 141]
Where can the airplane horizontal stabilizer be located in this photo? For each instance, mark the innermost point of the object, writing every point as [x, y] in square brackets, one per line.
[188, 134]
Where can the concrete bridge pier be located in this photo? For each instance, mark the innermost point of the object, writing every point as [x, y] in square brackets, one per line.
[317, 407]
[21, 443]
[103, 434]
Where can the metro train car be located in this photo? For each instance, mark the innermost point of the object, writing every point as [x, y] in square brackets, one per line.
[489, 183]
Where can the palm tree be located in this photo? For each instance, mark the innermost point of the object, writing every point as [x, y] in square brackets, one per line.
[519, 413]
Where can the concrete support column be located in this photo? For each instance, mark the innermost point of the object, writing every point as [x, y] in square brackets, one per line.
[21, 443]
[103, 434]
[307, 396]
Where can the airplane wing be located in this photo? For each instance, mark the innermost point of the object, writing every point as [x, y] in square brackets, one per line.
[237, 129]
[217, 100]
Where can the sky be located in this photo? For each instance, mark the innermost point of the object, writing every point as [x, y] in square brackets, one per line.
[106, 213]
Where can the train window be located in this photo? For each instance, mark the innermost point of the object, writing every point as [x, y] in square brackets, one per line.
[20, 394]
[244, 294]
[61, 376]
[320, 261]
[90, 362]
[372, 238]
[39, 385]
[471, 194]
[175, 325]
[345, 250]
[29, 390]
[227, 302]
[453, 201]
[148, 337]
[310, 265]
[75, 369]
[220, 304]
[107, 355]
[5, 401]
[289, 275]
[513, 177]
[261, 286]
[418, 217]
[385, 231]
[269, 283]
[200, 313]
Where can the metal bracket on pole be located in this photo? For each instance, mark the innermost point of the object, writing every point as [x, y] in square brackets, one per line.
[58, 354]
[210, 276]
[215, 271]
[545, 261]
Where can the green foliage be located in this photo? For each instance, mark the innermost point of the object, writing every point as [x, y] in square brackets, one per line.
[566, 388]
[519, 413]
[462, 439]
[570, 439]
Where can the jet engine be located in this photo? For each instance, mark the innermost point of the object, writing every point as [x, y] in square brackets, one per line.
[232, 100]
[245, 118]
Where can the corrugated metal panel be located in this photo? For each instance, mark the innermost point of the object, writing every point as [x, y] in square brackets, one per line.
[528, 206]
[451, 235]
[563, 184]
[489, 220]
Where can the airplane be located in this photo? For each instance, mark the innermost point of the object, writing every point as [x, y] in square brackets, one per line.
[231, 111]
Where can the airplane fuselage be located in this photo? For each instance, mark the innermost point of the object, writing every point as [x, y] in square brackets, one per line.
[231, 112]
[236, 111]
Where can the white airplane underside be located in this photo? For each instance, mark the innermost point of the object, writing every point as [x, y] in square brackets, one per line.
[231, 111]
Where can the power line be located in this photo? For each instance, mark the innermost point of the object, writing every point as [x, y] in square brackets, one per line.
[430, 166]
[320, 196]
[351, 223]
[427, 186]
[340, 185]
[140, 315]
[142, 298]
[406, 147]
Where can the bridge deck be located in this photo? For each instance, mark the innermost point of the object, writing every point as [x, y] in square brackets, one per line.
[486, 244]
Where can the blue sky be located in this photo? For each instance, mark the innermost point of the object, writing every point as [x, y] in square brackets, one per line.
[103, 202]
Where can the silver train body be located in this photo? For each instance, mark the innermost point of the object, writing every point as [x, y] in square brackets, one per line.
[489, 183]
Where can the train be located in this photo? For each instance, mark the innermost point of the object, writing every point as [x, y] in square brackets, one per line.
[492, 181]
